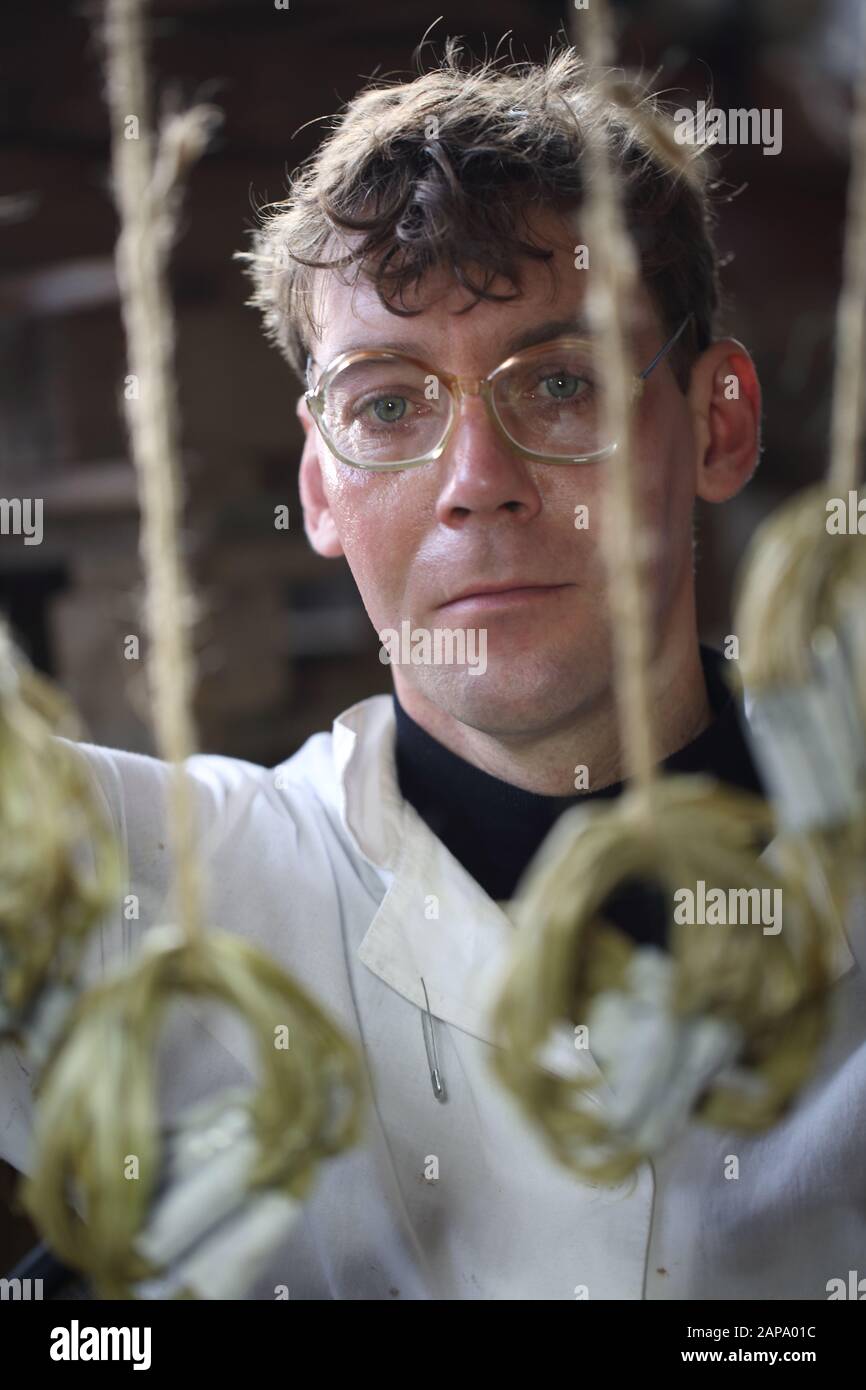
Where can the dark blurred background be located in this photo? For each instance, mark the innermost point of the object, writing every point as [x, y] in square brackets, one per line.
[283, 644]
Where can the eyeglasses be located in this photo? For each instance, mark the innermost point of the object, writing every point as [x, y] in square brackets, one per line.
[383, 410]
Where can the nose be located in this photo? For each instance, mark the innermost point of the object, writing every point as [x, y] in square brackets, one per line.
[481, 475]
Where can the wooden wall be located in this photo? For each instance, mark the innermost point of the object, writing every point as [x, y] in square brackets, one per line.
[283, 642]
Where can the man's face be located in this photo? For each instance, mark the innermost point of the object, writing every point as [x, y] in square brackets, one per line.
[415, 540]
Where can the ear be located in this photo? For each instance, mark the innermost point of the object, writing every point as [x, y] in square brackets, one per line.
[725, 399]
[318, 520]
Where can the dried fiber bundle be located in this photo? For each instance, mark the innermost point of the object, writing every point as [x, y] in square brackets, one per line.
[98, 1105]
[50, 824]
[724, 1024]
[799, 578]
[182, 1205]
[802, 596]
[801, 619]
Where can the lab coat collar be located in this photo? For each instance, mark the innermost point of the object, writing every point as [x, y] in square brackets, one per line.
[371, 807]
[435, 923]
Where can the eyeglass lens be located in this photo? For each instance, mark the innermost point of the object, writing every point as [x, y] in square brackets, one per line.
[386, 411]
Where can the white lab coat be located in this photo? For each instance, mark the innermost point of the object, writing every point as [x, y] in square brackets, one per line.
[322, 863]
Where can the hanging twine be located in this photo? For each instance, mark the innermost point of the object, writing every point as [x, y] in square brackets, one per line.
[101, 1105]
[800, 609]
[98, 1101]
[846, 433]
[612, 290]
[147, 192]
[797, 575]
[749, 1006]
[725, 988]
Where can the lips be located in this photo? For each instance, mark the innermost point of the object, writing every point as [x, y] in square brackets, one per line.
[513, 589]
[497, 588]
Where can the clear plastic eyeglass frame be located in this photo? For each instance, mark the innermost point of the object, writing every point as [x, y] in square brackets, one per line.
[464, 386]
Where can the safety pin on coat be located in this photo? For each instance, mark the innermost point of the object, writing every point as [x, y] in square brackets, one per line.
[430, 1048]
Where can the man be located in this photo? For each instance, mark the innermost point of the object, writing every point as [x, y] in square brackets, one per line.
[427, 280]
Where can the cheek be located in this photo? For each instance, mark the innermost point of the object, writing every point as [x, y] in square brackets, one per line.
[662, 455]
[667, 494]
[379, 530]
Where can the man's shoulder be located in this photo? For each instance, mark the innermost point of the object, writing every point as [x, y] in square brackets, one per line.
[309, 776]
[125, 777]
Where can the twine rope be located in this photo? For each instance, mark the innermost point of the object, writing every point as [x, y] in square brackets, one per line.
[146, 187]
[846, 427]
[614, 283]
[797, 576]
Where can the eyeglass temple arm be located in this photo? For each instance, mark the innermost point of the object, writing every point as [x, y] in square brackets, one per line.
[666, 347]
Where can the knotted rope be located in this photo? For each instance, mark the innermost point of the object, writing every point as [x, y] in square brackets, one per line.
[726, 1022]
[98, 1101]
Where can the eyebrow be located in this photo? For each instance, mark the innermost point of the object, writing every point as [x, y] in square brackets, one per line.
[524, 338]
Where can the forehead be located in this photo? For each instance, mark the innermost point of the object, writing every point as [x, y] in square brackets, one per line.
[448, 325]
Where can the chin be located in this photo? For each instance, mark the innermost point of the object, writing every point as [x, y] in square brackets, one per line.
[522, 696]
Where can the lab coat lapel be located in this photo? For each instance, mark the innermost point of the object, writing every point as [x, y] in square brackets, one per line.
[435, 922]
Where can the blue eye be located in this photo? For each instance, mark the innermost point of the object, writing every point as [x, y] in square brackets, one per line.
[389, 409]
[562, 386]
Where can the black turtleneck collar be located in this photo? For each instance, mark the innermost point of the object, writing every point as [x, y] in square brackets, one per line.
[494, 829]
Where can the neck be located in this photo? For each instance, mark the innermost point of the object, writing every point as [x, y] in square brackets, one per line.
[543, 761]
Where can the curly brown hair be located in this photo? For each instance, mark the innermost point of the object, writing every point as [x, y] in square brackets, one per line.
[441, 171]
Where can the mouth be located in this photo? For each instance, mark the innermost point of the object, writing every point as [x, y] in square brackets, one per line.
[490, 597]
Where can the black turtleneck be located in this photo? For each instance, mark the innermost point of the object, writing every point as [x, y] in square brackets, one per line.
[494, 829]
